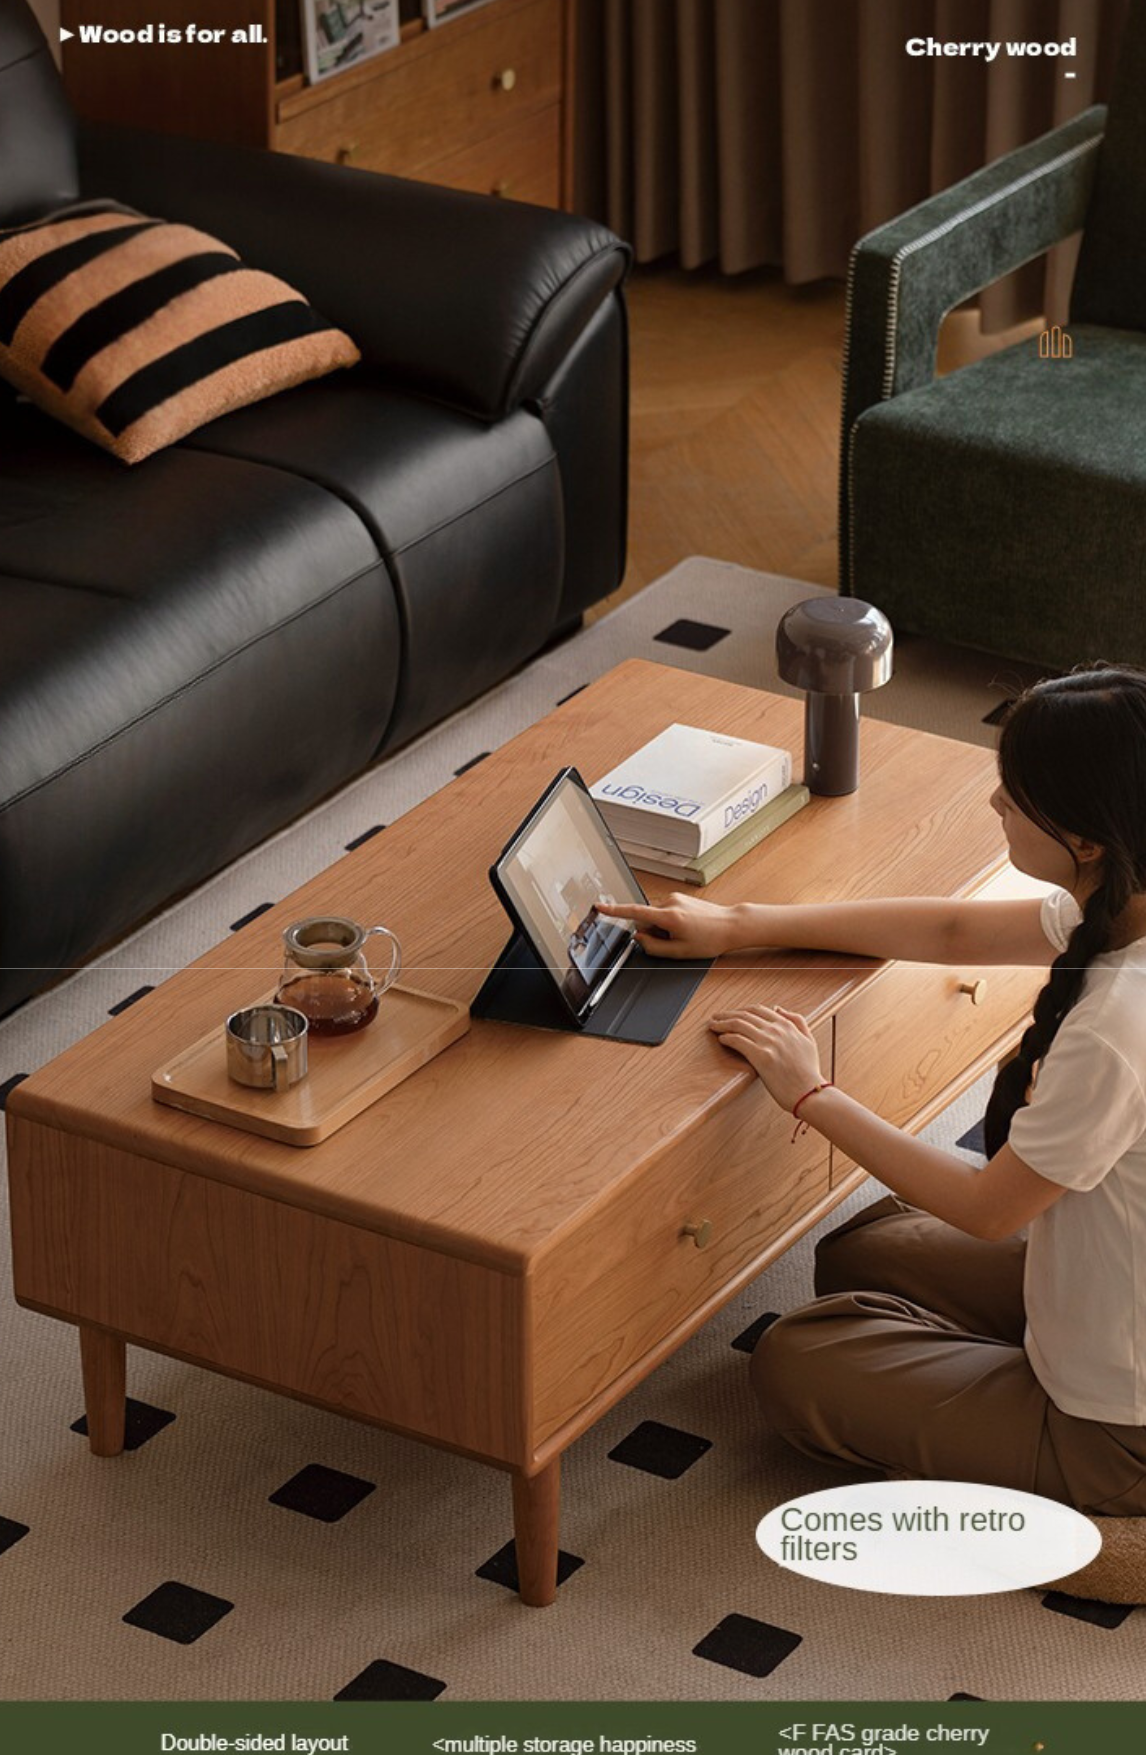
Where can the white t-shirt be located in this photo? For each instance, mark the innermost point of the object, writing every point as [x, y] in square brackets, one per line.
[1085, 1128]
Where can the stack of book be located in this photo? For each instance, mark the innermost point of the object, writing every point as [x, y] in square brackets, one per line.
[690, 802]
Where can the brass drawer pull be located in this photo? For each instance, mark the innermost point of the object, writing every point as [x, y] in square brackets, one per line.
[501, 188]
[505, 80]
[701, 1233]
[346, 154]
[976, 990]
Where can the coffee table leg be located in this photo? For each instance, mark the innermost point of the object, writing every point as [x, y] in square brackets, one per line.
[536, 1506]
[103, 1358]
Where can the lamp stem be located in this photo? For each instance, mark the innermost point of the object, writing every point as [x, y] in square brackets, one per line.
[831, 743]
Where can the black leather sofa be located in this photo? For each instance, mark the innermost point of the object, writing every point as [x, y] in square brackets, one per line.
[195, 649]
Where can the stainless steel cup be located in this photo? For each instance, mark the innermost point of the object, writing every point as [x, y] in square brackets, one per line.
[266, 1046]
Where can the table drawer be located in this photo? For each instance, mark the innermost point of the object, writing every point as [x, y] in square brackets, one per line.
[457, 89]
[624, 1280]
[918, 1028]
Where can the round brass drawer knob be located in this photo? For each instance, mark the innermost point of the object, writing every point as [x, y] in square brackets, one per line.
[701, 1233]
[975, 990]
[501, 188]
[505, 80]
[346, 154]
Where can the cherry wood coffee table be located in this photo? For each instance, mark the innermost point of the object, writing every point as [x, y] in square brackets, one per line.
[493, 1254]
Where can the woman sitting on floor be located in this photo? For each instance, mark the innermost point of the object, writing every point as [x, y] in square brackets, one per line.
[943, 1343]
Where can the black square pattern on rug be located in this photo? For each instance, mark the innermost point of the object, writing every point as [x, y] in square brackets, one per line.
[755, 1648]
[366, 835]
[8, 1086]
[746, 1340]
[383, 1680]
[251, 914]
[472, 763]
[141, 1422]
[1108, 1615]
[113, 1011]
[11, 1532]
[178, 1612]
[972, 1140]
[501, 1568]
[696, 636]
[660, 1450]
[997, 714]
[326, 1494]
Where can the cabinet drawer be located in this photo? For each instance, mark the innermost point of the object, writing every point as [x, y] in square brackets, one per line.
[916, 1029]
[629, 1275]
[444, 90]
[522, 163]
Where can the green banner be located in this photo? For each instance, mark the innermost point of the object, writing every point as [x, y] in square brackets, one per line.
[573, 1728]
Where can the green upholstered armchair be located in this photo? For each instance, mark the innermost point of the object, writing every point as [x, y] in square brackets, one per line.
[1004, 505]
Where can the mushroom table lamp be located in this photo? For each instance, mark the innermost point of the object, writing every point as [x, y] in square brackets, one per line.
[835, 649]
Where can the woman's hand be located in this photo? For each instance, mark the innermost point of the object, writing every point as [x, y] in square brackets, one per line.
[778, 1044]
[684, 927]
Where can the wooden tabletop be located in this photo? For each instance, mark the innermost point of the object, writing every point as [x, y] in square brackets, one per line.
[511, 1135]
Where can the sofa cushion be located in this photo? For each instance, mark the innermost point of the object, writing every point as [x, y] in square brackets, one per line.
[190, 654]
[451, 503]
[135, 332]
[1026, 459]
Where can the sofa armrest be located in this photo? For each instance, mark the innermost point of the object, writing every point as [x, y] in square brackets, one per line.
[467, 299]
[905, 276]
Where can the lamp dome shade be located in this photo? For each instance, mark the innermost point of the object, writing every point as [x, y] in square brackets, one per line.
[834, 646]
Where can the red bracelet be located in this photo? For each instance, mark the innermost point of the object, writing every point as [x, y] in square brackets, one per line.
[802, 1127]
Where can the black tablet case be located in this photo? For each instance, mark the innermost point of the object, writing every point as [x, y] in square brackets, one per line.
[642, 1004]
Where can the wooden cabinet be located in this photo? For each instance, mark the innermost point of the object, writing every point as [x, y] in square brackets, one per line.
[480, 103]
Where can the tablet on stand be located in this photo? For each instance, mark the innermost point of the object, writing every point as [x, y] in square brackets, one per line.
[568, 967]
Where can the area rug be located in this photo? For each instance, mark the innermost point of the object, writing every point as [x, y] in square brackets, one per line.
[249, 1547]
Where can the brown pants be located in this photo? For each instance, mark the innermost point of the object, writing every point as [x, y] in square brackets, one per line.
[911, 1361]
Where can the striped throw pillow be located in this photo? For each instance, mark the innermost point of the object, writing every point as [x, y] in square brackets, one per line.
[135, 331]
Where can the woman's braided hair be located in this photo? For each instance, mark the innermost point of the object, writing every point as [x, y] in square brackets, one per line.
[1072, 756]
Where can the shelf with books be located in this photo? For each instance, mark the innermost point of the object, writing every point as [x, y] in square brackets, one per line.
[337, 34]
[291, 21]
[480, 105]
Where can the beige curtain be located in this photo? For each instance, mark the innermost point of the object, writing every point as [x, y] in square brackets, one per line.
[776, 132]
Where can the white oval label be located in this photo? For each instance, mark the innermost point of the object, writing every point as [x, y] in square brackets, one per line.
[928, 1538]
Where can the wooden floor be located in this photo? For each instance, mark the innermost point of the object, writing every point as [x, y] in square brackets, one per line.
[736, 418]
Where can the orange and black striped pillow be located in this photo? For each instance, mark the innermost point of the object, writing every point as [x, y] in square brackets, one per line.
[135, 331]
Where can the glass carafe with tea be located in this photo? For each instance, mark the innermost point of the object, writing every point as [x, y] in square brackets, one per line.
[326, 975]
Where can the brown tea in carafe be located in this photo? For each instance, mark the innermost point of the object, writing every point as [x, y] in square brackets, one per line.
[326, 975]
[334, 1003]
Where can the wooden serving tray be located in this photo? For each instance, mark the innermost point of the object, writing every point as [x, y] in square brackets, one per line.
[345, 1073]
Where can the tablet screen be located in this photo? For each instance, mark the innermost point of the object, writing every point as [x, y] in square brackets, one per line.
[559, 865]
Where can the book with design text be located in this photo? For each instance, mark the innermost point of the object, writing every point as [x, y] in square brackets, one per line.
[688, 788]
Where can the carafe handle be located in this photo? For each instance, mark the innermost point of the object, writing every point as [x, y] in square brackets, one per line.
[395, 969]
